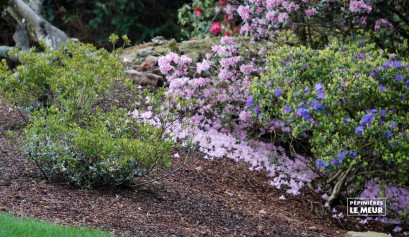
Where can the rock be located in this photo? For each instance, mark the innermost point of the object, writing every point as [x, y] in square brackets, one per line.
[173, 46]
[142, 60]
[149, 63]
[199, 168]
[144, 52]
[162, 50]
[194, 56]
[130, 53]
[159, 40]
[144, 78]
[197, 45]
[366, 234]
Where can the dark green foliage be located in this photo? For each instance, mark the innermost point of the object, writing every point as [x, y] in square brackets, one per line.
[94, 21]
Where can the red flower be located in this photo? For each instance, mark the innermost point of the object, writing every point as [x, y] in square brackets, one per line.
[215, 28]
[227, 33]
[222, 2]
[198, 11]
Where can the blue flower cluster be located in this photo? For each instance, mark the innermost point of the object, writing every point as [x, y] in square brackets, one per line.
[278, 92]
[249, 102]
[319, 89]
[341, 156]
[365, 121]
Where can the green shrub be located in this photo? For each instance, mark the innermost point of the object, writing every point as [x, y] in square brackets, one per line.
[346, 106]
[68, 136]
[105, 149]
[73, 78]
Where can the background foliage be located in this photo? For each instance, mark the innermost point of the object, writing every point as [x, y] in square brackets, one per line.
[94, 21]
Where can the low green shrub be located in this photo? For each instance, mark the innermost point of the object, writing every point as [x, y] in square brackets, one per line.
[73, 78]
[347, 108]
[105, 149]
[68, 136]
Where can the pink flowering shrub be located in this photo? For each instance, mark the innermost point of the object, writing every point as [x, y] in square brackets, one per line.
[313, 22]
[220, 117]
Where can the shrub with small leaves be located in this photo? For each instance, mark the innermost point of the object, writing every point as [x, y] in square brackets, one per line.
[105, 149]
[68, 136]
[346, 105]
[73, 78]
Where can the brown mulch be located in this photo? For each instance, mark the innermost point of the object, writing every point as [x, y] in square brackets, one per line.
[205, 198]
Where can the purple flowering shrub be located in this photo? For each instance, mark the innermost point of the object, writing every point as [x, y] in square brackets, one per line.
[347, 106]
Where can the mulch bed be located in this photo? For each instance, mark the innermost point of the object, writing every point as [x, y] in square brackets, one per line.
[204, 198]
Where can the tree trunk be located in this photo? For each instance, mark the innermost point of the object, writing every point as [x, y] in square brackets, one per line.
[30, 24]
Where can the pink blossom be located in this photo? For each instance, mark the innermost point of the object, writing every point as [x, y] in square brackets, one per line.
[246, 68]
[311, 12]
[203, 66]
[135, 114]
[290, 7]
[244, 12]
[227, 40]
[178, 82]
[271, 16]
[359, 6]
[225, 74]
[282, 16]
[273, 3]
[246, 28]
[185, 60]
[363, 20]
[146, 115]
[222, 97]
[383, 22]
[245, 115]
[229, 9]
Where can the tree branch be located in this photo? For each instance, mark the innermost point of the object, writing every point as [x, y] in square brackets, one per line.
[40, 29]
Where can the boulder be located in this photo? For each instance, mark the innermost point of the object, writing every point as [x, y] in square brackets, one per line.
[142, 60]
[145, 78]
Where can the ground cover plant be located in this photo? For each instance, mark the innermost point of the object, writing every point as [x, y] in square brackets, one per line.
[13, 227]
